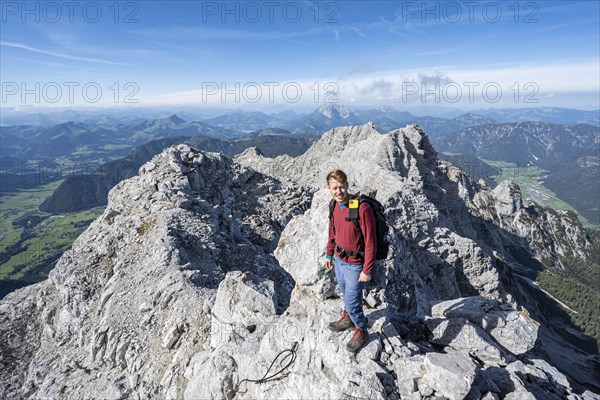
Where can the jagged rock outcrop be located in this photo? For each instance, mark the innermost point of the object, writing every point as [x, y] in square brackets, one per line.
[203, 279]
[126, 305]
[550, 233]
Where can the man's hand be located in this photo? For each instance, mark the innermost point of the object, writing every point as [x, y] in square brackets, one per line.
[328, 264]
[364, 277]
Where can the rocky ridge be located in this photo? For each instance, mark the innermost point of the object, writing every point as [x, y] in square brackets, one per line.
[203, 270]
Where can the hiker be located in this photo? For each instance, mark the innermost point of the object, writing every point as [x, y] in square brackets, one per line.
[351, 256]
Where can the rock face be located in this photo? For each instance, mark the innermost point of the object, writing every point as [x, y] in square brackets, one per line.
[204, 279]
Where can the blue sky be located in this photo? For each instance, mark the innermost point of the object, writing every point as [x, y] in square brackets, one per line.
[268, 54]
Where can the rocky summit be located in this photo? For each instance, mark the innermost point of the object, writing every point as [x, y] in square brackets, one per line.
[204, 279]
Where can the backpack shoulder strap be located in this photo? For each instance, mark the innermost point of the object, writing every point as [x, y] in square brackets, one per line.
[362, 199]
[353, 216]
[331, 208]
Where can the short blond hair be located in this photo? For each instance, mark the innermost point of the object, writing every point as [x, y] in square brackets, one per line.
[338, 175]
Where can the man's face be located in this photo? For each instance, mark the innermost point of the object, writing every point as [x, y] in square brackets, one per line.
[338, 191]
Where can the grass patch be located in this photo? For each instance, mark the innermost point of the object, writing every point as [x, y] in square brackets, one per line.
[27, 250]
[146, 226]
[15, 205]
[86, 161]
[52, 237]
[46, 242]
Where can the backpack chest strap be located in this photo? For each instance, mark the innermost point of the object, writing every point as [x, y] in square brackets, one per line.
[343, 253]
[352, 214]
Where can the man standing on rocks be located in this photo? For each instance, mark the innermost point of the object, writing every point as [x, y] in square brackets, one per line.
[352, 256]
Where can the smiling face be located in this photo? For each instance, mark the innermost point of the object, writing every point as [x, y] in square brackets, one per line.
[339, 191]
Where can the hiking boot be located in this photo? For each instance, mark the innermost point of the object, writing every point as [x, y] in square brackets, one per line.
[342, 324]
[358, 340]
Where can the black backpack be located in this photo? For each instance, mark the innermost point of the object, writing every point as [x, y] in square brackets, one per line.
[381, 227]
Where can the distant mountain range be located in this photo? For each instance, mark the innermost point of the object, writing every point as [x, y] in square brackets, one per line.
[79, 141]
[106, 116]
[246, 121]
[86, 191]
[173, 126]
[557, 115]
[558, 148]
[323, 119]
[520, 142]
[18, 173]
[435, 127]
[571, 153]
[576, 180]
[330, 116]
[227, 118]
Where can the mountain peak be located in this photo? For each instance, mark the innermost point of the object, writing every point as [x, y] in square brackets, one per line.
[334, 111]
[171, 120]
[474, 118]
[176, 120]
[69, 126]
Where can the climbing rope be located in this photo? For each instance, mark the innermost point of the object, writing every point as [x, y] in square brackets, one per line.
[290, 353]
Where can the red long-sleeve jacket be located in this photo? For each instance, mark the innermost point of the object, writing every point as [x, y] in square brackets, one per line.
[343, 233]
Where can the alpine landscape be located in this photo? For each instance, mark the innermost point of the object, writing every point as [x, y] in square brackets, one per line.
[174, 247]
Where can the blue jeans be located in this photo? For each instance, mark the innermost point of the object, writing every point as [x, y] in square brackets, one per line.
[352, 290]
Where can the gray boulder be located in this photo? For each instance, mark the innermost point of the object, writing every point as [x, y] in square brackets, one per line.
[466, 338]
[514, 331]
[243, 301]
[449, 375]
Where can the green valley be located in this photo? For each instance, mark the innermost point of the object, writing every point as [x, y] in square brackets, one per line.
[30, 240]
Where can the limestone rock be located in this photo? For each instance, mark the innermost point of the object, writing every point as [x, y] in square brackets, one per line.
[507, 198]
[215, 380]
[408, 372]
[449, 375]
[466, 338]
[243, 300]
[199, 242]
[301, 247]
[515, 331]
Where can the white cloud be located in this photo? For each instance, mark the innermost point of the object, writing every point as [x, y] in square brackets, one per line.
[513, 85]
[58, 54]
